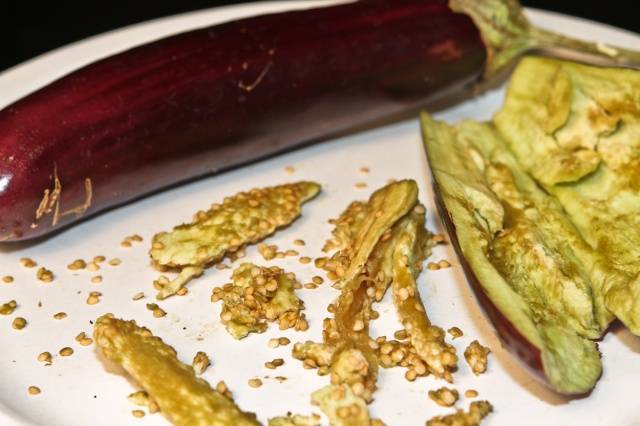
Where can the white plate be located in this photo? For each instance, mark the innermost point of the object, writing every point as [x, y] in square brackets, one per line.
[78, 390]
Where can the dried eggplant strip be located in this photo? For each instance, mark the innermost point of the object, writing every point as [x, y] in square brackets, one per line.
[428, 340]
[385, 207]
[245, 218]
[185, 399]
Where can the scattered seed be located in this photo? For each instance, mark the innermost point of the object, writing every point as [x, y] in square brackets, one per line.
[364, 170]
[83, 339]
[93, 266]
[60, 315]
[304, 260]
[99, 259]
[272, 365]
[433, 266]
[455, 332]
[44, 275]
[201, 362]
[361, 185]
[94, 298]
[45, 357]
[471, 393]
[97, 279]
[138, 413]
[114, 262]
[7, 279]
[444, 264]
[289, 170]
[33, 390]
[28, 263]
[126, 244]
[19, 323]
[255, 382]
[299, 242]
[317, 280]
[77, 264]
[138, 296]
[182, 292]
[8, 308]
[66, 351]
[158, 312]
[283, 341]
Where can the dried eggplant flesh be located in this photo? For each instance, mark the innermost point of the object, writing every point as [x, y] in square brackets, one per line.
[524, 253]
[184, 398]
[576, 130]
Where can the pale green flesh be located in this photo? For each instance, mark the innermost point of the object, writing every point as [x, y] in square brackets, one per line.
[576, 130]
[527, 256]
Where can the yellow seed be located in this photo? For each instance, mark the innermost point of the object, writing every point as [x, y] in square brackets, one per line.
[8, 308]
[77, 264]
[94, 298]
[361, 185]
[317, 280]
[182, 292]
[137, 413]
[97, 279]
[455, 332]
[19, 323]
[99, 259]
[44, 275]
[433, 266]
[471, 393]
[60, 315]
[284, 341]
[136, 237]
[28, 263]
[83, 339]
[444, 264]
[126, 244]
[138, 296]
[255, 382]
[66, 351]
[299, 242]
[45, 357]
[304, 260]
[289, 170]
[92, 266]
[33, 390]
[115, 261]
[7, 279]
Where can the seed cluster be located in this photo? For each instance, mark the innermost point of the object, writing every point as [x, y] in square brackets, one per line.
[444, 396]
[259, 295]
[477, 357]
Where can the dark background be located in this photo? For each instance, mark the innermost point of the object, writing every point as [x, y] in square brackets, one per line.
[29, 28]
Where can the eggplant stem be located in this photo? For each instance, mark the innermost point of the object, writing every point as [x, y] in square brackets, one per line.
[508, 34]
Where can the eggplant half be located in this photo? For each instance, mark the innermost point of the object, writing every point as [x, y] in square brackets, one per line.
[540, 206]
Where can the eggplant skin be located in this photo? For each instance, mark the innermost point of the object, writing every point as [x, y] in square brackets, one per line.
[207, 100]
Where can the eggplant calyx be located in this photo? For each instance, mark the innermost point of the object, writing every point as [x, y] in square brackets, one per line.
[508, 34]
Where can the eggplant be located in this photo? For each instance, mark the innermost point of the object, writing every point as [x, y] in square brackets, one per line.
[207, 100]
